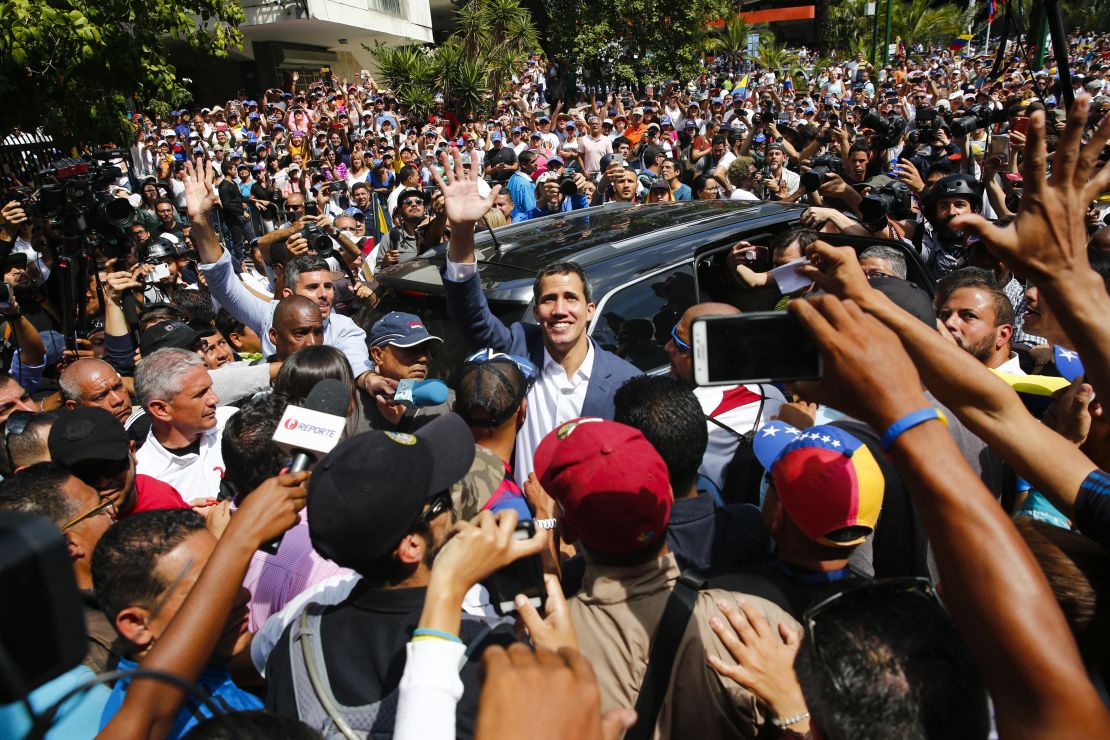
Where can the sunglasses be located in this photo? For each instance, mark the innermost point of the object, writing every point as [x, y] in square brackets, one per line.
[107, 504]
[843, 599]
[412, 202]
[678, 343]
[440, 503]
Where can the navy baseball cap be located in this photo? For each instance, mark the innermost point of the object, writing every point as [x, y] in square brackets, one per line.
[401, 330]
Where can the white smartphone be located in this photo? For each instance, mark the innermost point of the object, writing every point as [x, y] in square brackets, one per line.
[757, 347]
[160, 272]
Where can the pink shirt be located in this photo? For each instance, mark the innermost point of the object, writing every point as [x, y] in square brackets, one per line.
[274, 580]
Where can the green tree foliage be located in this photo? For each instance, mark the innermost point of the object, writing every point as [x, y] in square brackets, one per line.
[631, 40]
[75, 67]
[473, 68]
[914, 21]
[731, 39]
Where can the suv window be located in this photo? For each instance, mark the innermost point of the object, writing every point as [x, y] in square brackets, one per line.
[635, 321]
[432, 310]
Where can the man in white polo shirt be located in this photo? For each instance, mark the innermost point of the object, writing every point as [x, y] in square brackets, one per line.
[183, 446]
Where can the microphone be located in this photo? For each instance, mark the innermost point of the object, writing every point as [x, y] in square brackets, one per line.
[420, 392]
[311, 431]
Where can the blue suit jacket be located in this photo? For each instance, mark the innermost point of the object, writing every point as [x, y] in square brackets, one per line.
[467, 307]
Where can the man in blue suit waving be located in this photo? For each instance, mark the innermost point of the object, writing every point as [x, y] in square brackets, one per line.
[577, 377]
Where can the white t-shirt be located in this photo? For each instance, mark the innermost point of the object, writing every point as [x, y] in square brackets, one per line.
[737, 407]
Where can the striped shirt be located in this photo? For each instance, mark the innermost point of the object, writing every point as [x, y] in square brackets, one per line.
[1015, 291]
[274, 580]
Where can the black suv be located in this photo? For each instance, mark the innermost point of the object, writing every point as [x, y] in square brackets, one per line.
[646, 265]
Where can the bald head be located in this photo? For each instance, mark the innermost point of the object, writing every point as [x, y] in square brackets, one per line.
[92, 382]
[297, 323]
[708, 309]
[682, 359]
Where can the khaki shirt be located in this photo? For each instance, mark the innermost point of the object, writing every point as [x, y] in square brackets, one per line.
[616, 614]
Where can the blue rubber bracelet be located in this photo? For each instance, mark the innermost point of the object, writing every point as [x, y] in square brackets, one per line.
[907, 422]
[425, 632]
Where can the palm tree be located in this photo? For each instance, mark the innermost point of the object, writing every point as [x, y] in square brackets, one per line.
[773, 56]
[732, 39]
[472, 68]
[916, 21]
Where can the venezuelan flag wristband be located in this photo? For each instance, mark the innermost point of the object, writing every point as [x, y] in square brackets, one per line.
[908, 422]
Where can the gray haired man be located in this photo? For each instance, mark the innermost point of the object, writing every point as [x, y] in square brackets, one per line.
[183, 445]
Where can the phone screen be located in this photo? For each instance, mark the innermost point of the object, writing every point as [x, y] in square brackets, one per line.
[523, 576]
[760, 347]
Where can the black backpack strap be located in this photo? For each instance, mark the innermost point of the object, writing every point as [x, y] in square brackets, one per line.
[758, 416]
[664, 647]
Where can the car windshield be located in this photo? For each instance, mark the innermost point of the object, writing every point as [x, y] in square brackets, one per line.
[432, 310]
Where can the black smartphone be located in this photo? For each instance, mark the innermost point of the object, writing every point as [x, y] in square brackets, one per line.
[758, 347]
[523, 576]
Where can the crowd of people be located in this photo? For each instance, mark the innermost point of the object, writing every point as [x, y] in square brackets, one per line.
[912, 546]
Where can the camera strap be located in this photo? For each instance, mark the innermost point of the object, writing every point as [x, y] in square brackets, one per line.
[664, 648]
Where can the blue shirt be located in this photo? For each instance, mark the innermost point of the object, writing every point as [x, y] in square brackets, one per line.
[77, 718]
[683, 192]
[216, 682]
[523, 192]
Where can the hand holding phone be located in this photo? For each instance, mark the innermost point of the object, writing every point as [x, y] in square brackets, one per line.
[758, 347]
[498, 550]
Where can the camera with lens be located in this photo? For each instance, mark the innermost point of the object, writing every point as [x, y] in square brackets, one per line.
[888, 129]
[318, 241]
[975, 118]
[77, 202]
[892, 199]
[567, 185]
[819, 170]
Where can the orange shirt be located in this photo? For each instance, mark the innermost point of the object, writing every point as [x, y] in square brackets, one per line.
[634, 133]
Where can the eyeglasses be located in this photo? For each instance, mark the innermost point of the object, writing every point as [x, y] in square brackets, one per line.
[678, 343]
[412, 202]
[107, 504]
[440, 503]
[875, 589]
[294, 206]
[876, 274]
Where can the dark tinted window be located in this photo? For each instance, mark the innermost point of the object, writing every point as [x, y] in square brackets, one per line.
[432, 310]
[636, 321]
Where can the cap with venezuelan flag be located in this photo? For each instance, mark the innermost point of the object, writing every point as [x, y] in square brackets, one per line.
[826, 479]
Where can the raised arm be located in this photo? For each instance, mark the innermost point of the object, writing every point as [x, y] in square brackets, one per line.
[1047, 242]
[150, 706]
[997, 595]
[227, 289]
[985, 403]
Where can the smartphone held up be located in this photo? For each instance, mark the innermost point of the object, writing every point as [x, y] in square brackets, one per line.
[758, 347]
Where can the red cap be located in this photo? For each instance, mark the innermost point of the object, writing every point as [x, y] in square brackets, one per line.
[613, 486]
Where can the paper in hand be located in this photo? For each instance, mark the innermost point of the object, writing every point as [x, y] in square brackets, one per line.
[788, 280]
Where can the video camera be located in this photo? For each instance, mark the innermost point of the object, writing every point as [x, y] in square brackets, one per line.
[78, 204]
[975, 118]
[892, 199]
[819, 170]
[888, 129]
